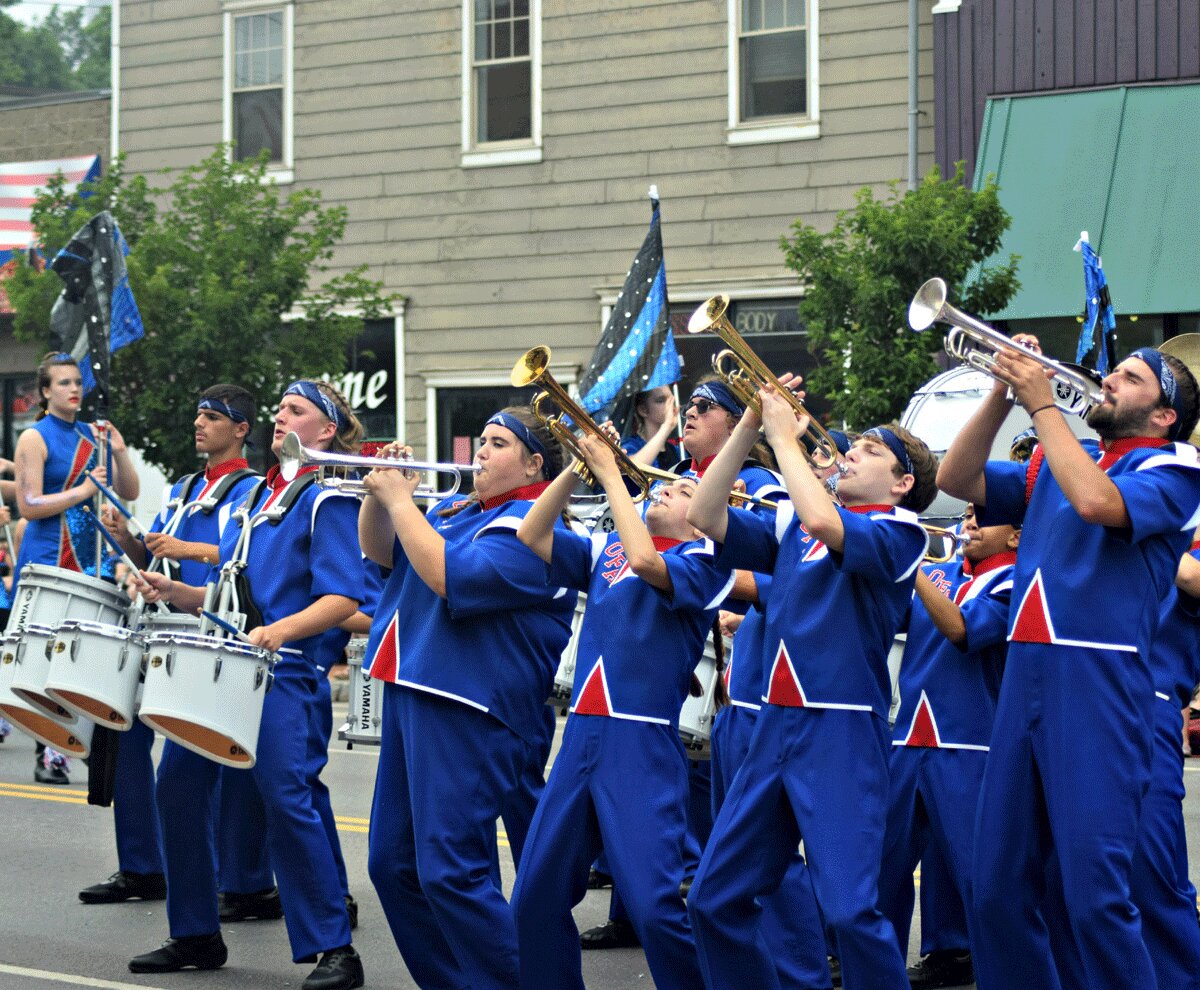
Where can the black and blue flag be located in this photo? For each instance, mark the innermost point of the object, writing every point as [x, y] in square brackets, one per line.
[1097, 310]
[637, 351]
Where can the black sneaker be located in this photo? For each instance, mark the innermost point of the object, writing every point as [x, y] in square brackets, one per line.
[598, 880]
[610, 935]
[261, 905]
[351, 910]
[339, 969]
[49, 775]
[835, 971]
[122, 887]
[947, 968]
[200, 951]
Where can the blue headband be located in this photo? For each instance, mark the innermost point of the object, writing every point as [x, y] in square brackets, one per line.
[522, 433]
[217, 406]
[62, 357]
[308, 390]
[719, 393]
[841, 441]
[893, 443]
[1166, 382]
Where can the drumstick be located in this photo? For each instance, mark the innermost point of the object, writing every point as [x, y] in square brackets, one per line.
[135, 527]
[229, 627]
[121, 554]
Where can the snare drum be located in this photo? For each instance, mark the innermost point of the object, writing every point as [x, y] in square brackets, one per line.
[696, 716]
[73, 738]
[164, 622]
[364, 715]
[95, 670]
[206, 694]
[564, 677]
[27, 682]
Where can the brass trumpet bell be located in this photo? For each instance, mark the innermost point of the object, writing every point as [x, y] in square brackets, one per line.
[1186, 347]
[745, 373]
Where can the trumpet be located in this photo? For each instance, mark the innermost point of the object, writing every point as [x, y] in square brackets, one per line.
[293, 456]
[951, 543]
[975, 343]
[745, 373]
[533, 368]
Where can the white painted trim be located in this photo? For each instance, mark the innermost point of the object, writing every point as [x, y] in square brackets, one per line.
[284, 172]
[475, 155]
[768, 287]
[441, 694]
[761, 131]
[946, 7]
[114, 107]
[401, 373]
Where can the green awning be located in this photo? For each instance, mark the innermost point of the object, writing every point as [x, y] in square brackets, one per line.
[1122, 164]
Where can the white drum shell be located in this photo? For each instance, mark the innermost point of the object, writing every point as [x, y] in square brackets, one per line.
[73, 738]
[95, 670]
[48, 595]
[697, 715]
[28, 679]
[364, 715]
[564, 677]
[206, 694]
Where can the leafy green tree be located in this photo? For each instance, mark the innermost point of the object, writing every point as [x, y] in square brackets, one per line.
[219, 270]
[61, 52]
[860, 277]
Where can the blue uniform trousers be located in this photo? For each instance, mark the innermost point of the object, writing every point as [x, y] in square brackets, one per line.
[1159, 882]
[943, 914]
[296, 840]
[445, 771]
[187, 808]
[520, 805]
[1036, 801]
[791, 922]
[811, 774]
[620, 785]
[320, 731]
[931, 803]
[135, 813]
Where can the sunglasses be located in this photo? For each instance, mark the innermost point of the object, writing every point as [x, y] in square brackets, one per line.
[701, 406]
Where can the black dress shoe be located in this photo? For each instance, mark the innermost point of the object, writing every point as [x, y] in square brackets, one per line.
[200, 951]
[351, 910]
[49, 775]
[261, 905]
[835, 971]
[685, 886]
[598, 880]
[610, 935]
[945, 968]
[339, 969]
[126, 886]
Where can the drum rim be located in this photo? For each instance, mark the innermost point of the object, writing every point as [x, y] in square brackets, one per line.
[213, 644]
[50, 570]
[106, 629]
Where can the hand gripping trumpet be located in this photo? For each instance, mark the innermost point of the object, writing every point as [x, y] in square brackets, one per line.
[293, 456]
[975, 343]
[745, 373]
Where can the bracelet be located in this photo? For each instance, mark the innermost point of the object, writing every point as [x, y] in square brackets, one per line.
[1039, 409]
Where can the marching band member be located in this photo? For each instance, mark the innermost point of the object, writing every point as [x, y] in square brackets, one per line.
[655, 414]
[620, 779]
[464, 694]
[949, 682]
[53, 458]
[817, 766]
[224, 416]
[305, 574]
[1109, 530]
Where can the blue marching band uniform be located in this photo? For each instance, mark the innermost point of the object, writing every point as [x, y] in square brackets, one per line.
[978, 766]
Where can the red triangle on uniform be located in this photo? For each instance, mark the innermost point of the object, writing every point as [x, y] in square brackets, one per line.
[923, 731]
[1033, 617]
[816, 550]
[784, 687]
[593, 699]
[385, 666]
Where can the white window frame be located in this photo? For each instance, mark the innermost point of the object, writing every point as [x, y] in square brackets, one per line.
[279, 172]
[522, 152]
[565, 375]
[775, 130]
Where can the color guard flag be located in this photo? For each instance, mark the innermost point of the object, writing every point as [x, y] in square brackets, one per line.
[96, 313]
[1097, 308]
[637, 351]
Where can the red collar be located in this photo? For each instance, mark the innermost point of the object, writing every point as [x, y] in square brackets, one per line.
[215, 471]
[1116, 449]
[662, 543]
[703, 465]
[1002, 559]
[528, 492]
[861, 509]
[277, 482]
[1195, 546]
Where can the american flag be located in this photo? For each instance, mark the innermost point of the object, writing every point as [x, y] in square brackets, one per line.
[20, 183]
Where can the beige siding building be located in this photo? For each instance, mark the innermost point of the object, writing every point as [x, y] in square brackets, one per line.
[495, 155]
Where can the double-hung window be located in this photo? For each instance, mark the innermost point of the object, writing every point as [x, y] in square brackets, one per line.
[501, 82]
[258, 82]
[772, 70]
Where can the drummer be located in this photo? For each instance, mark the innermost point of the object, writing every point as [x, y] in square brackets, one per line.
[305, 575]
[464, 698]
[224, 417]
[620, 779]
[53, 458]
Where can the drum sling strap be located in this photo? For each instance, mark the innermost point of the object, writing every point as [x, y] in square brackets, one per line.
[213, 500]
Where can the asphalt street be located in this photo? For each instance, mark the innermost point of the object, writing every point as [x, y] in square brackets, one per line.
[54, 844]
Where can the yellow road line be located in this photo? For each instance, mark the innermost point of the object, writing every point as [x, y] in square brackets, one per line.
[60, 798]
[71, 979]
[42, 788]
